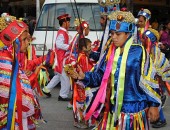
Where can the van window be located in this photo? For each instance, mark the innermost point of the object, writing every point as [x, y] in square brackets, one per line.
[88, 11]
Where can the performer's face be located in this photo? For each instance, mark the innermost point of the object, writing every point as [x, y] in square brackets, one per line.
[67, 25]
[25, 40]
[103, 21]
[141, 22]
[87, 49]
[119, 38]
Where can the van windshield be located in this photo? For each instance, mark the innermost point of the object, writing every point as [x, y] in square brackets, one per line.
[88, 11]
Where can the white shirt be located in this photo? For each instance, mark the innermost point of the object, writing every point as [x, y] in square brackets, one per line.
[60, 44]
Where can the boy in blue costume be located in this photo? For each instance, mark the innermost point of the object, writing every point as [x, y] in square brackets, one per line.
[128, 94]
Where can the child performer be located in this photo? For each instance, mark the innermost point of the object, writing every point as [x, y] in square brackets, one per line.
[79, 96]
[82, 28]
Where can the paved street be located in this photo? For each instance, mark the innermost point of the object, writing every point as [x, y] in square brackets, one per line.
[59, 118]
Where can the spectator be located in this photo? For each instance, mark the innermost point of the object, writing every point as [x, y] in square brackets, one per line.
[165, 39]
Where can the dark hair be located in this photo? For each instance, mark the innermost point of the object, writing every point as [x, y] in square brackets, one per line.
[165, 24]
[63, 20]
[83, 42]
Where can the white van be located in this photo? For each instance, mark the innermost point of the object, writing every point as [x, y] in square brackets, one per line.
[47, 24]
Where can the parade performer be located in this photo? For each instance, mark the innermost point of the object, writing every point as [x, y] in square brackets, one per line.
[106, 7]
[35, 70]
[125, 75]
[17, 102]
[61, 47]
[29, 63]
[82, 28]
[72, 54]
[143, 23]
[151, 38]
[79, 94]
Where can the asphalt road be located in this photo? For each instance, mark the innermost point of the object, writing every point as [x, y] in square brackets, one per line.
[59, 118]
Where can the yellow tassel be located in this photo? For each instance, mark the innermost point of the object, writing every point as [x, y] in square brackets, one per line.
[134, 122]
[13, 118]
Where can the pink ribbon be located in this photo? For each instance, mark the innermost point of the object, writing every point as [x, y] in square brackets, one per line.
[131, 121]
[101, 95]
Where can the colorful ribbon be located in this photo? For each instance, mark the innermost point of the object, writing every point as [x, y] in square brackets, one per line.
[100, 97]
[12, 99]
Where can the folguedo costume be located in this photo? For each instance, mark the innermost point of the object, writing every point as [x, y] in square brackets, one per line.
[147, 15]
[78, 98]
[62, 45]
[161, 65]
[17, 102]
[159, 60]
[127, 82]
[72, 54]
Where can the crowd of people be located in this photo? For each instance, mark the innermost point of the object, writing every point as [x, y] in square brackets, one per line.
[117, 82]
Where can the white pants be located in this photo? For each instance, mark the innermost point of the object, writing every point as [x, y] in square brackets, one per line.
[65, 84]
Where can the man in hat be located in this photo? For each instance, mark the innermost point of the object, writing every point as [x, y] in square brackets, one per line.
[61, 47]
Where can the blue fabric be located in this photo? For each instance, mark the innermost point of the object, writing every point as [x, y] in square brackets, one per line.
[133, 65]
[128, 122]
[12, 96]
[135, 99]
[18, 43]
[94, 55]
[26, 85]
[161, 115]
[5, 76]
[146, 15]
[124, 26]
[6, 62]
[151, 36]
[163, 61]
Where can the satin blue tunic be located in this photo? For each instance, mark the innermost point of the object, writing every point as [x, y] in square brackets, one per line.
[135, 98]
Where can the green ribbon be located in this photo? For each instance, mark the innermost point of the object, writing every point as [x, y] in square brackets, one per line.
[121, 81]
[114, 66]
